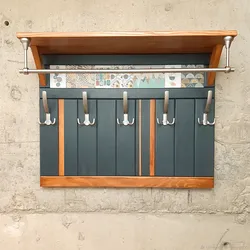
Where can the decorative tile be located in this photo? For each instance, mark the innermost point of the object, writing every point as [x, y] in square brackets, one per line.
[173, 80]
[193, 80]
[126, 80]
[57, 80]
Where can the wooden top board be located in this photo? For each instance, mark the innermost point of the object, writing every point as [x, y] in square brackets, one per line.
[127, 42]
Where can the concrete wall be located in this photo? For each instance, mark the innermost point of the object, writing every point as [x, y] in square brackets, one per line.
[133, 219]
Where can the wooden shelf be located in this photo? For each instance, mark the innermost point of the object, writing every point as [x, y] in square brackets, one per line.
[127, 42]
[168, 42]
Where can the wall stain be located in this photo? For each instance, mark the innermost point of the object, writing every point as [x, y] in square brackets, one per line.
[66, 221]
[24, 201]
[16, 217]
[189, 197]
[242, 218]
[15, 93]
[29, 24]
[9, 42]
[19, 164]
[168, 7]
[81, 236]
[15, 61]
[222, 236]
[226, 246]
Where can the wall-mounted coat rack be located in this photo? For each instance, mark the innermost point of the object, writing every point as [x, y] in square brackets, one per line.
[149, 137]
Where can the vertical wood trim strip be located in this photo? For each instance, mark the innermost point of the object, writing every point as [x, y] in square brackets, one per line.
[214, 63]
[38, 63]
[139, 131]
[152, 138]
[61, 136]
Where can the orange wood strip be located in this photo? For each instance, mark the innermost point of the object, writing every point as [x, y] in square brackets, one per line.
[125, 182]
[152, 138]
[61, 136]
[209, 33]
[140, 139]
[38, 63]
[214, 63]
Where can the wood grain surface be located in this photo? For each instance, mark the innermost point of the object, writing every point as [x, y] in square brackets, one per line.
[127, 42]
[119, 182]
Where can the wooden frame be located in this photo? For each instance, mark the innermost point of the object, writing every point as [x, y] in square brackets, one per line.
[38, 63]
[127, 181]
[126, 43]
[214, 63]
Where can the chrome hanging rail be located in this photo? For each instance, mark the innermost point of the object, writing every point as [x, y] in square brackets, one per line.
[118, 71]
[26, 42]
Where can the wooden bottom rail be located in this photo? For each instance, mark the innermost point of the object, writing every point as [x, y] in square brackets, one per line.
[127, 181]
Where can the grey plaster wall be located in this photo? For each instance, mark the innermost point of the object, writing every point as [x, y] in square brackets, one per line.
[135, 219]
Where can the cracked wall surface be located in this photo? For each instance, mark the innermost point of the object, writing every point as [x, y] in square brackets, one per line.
[36, 218]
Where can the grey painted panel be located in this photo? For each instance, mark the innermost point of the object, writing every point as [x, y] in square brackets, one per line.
[70, 137]
[183, 93]
[145, 136]
[87, 150]
[106, 141]
[49, 141]
[164, 161]
[126, 144]
[204, 141]
[184, 138]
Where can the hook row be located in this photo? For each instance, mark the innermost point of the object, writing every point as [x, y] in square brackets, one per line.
[125, 121]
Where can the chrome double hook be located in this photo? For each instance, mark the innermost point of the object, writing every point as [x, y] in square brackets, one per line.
[48, 121]
[205, 121]
[86, 121]
[165, 111]
[125, 121]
